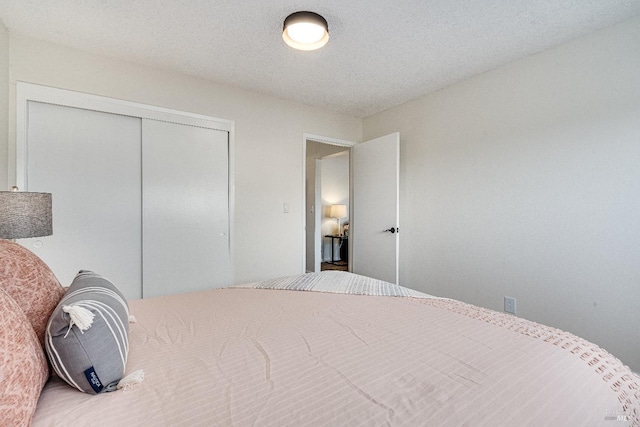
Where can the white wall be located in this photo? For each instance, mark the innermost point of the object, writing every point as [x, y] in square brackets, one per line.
[525, 181]
[268, 140]
[4, 104]
[335, 191]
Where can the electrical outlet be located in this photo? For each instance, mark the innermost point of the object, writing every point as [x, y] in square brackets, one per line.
[285, 207]
[510, 305]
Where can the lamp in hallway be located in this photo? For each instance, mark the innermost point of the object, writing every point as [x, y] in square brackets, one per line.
[338, 212]
[25, 214]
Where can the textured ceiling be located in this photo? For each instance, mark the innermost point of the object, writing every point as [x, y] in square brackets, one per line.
[380, 53]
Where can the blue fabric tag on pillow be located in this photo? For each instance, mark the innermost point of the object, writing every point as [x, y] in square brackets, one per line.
[93, 379]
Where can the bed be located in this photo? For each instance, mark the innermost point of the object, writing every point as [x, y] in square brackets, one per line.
[334, 348]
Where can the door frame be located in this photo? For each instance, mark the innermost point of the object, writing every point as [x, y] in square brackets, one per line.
[27, 92]
[324, 140]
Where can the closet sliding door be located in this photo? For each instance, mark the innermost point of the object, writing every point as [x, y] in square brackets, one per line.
[90, 162]
[185, 222]
[141, 194]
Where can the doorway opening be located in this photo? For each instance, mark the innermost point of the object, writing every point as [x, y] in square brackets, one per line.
[326, 203]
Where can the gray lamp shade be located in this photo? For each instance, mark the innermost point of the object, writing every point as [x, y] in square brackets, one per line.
[24, 214]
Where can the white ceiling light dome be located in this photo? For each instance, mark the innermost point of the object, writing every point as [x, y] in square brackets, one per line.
[305, 31]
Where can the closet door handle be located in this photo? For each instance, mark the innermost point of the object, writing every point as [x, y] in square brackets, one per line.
[391, 230]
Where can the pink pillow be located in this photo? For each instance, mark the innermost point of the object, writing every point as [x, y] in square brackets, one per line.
[23, 366]
[30, 282]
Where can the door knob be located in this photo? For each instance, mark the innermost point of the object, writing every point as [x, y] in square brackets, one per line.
[391, 230]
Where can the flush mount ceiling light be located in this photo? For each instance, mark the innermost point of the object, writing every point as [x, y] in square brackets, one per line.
[305, 31]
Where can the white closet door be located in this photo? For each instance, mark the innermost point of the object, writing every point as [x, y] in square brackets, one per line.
[90, 162]
[185, 174]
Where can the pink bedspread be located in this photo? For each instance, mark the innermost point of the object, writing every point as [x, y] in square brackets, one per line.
[288, 358]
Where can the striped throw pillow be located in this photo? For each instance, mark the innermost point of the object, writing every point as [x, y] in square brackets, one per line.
[87, 335]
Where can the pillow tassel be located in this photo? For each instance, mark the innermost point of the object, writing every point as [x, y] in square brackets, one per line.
[136, 377]
[79, 316]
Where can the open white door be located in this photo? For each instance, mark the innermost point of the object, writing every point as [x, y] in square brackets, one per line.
[375, 208]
